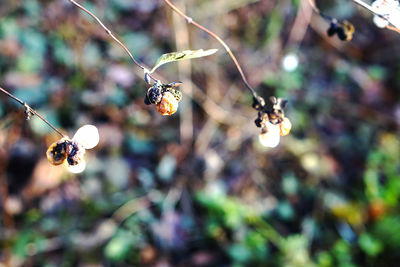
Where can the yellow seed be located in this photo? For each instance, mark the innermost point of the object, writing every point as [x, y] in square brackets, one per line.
[348, 29]
[285, 126]
[168, 104]
[56, 153]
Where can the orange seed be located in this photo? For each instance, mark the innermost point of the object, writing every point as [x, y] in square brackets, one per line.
[168, 104]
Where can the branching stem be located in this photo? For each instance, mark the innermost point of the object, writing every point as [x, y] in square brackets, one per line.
[191, 21]
[363, 4]
[109, 32]
[30, 111]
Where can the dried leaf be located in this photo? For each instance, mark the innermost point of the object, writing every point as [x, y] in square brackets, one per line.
[187, 54]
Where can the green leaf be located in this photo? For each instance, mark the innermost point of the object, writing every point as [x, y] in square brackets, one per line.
[187, 54]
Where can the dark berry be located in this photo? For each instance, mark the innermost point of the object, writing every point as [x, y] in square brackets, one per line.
[154, 94]
[341, 34]
[332, 29]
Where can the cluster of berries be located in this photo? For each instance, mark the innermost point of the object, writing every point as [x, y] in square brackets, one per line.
[271, 120]
[344, 30]
[165, 96]
[72, 151]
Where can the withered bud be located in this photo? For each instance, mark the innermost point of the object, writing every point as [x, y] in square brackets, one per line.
[75, 153]
[176, 93]
[57, 152]
[154, 94]
[168, 104]
[258, 102]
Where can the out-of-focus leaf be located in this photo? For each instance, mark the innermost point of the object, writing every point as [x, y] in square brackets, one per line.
[23, 238]
[342, 252]
[370, 245]
[9, 28]
[285, 210]
[117, 173]
[257, 244]
[119, 246]
[139, 43]
[387, 231]
[324, 259]
[37, 124]
[187, 54]
[377, 72]
[166, 168]
[295, 250]
[146, 177]
[139, 144]
[289, 184]
[240, 252]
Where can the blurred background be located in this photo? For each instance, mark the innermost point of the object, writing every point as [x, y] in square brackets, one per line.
[196, 188]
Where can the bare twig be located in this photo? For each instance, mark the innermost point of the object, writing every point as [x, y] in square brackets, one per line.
[109, 32]
[361, 3]
[191, 21]
[30, 111]
[365, 5]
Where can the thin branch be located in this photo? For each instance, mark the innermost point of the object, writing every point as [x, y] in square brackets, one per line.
[30, 111]
[361, 3]
[109, 32]
[365, 5]
[191, 21]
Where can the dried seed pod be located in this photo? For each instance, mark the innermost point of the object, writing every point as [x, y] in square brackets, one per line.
[258, 103]
[87, 136]
[348, 30]
[285, 126]
[78, 168]
[154, 94]
[343, 30]
[258, 122]
[57, 152]
[171, 88]
[75, 153]
[146, 100]
[332, 29]
[168, 104]
[176, 93]
[269, 136]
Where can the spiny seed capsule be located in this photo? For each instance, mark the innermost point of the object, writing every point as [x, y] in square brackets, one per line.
[285, 126]
[57, 152]
[168, 104]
